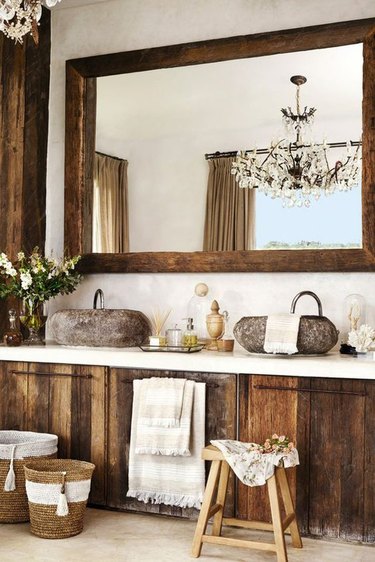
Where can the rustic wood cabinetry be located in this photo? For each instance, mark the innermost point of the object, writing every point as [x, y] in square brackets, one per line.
[333, 422]
[68, 400]
[220, 424]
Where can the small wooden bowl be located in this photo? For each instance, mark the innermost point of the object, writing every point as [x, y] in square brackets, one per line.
[225, 345]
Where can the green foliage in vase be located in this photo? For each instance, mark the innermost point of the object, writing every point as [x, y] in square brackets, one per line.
[36, 278]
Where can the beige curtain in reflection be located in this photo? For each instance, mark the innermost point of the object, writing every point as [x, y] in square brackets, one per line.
[110, 205]
[230, 210]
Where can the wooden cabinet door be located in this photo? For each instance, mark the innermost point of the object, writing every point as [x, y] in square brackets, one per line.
[271, 404]
[220, 424]
[342, 459]
[333, 423]
[68, 400]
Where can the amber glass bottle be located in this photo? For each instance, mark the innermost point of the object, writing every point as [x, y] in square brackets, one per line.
[12, 336]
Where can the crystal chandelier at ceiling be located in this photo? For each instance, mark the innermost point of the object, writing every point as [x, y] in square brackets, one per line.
[20, 17]
[298, 171]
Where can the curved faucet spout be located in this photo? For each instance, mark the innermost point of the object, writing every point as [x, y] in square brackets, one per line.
[99, 293]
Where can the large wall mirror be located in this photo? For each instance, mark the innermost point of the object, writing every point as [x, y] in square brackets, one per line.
[158, 112]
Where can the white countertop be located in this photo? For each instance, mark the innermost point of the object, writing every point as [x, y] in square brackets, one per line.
[331, 365]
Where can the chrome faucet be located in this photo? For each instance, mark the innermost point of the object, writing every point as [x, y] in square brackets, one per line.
[99, 293]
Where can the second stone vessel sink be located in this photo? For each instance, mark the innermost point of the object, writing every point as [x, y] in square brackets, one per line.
[100, 328]
[316, 334]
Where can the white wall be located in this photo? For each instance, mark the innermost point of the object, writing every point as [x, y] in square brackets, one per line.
[120, 25]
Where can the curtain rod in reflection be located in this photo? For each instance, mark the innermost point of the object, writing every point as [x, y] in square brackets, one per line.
[109, 156]
[233, 153]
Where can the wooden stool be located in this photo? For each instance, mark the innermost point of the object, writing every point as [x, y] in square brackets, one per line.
[218, 481]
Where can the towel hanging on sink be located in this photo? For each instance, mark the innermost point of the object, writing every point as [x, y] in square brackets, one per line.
[281, 334]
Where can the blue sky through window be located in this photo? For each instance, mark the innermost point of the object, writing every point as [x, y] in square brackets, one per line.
[335, 219]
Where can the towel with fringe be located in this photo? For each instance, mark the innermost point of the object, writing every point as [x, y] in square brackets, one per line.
[162, 401]
[171, 480]
[160, 440]
[281, 334]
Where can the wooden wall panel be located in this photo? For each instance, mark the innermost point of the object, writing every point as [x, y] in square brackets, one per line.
[24, 94]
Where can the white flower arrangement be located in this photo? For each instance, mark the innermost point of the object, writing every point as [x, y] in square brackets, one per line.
[362, 338]
[36, 278]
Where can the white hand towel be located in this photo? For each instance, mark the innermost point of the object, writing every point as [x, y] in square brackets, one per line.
[282, 334]
[177, 481]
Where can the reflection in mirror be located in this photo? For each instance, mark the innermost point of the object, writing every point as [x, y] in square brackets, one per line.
[163, 122]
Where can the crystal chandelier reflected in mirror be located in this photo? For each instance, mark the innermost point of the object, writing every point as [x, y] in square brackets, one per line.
[298, 171]
[20, 17]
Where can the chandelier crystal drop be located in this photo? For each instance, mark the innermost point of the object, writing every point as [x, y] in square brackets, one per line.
[20, 17]
[298, 171]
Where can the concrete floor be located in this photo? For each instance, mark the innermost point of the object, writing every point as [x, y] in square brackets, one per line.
[110, 536]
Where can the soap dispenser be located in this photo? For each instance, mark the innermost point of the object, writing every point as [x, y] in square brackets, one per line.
[190, 335]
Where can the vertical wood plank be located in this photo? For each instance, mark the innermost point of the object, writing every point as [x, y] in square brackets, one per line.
[96, 394]
[37, 400]
[24, 91]
[336, 460]
[13, 396]
[79, 159]
[60, 421]
[37, 73]
[12, 111]
[266, 412]
[368, 147]
[369, 464]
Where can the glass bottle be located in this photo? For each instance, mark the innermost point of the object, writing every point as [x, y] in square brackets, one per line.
[198, 308]
[12, 336]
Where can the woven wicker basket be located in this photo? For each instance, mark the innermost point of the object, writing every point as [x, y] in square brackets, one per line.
[16, 448]
[46, 482]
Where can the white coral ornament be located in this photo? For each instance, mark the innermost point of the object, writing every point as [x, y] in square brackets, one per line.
[362, 338]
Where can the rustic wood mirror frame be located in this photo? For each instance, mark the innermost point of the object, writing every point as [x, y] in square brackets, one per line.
[81, 77]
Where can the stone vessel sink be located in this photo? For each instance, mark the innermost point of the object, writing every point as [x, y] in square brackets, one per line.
[316, 333]
[100, 327]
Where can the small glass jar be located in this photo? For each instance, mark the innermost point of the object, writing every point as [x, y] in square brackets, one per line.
[174, 337]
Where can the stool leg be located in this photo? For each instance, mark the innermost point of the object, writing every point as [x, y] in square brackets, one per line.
[276, 520]
[220, 499]
[205, 509]
[289, 507]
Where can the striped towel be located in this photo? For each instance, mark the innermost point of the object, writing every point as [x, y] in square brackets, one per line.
[161, 403]
[281, 334]
[153, 440]
[177, 481]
